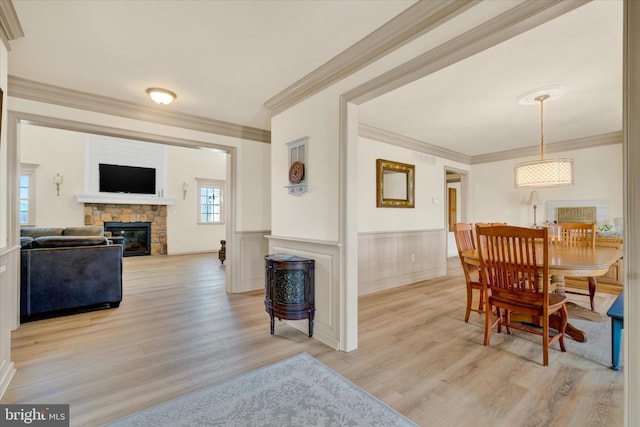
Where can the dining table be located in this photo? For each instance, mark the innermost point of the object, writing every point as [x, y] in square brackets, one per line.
[568, 261]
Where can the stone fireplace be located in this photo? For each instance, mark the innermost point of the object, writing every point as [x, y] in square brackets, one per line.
[155, 215]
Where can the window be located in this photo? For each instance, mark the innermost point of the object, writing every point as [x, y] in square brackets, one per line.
[27, 194]
[210, 201]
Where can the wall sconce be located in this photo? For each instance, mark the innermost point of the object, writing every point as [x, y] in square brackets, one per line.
[57, 180]
[185, 188]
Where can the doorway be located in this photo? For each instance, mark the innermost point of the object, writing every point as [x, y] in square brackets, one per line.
[456, 192]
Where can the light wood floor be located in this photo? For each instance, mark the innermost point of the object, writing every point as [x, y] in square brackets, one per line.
[177, 331]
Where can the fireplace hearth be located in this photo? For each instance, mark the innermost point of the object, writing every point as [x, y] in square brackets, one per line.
[136, 236]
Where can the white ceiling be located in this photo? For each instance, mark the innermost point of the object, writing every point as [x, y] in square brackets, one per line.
[472, 107]
[224, 59]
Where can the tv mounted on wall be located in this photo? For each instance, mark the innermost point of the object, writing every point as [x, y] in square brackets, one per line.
[126, 179]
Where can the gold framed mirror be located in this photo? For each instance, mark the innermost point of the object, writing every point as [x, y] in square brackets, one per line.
[394, 184]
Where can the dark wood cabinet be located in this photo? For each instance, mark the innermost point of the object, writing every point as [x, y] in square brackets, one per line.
[289, 288]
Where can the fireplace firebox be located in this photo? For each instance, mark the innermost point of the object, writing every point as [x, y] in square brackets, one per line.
[136, 236]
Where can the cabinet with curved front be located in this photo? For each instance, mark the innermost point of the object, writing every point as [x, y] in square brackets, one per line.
[289, 288]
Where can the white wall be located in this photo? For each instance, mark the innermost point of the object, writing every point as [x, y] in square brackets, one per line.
[117, 151]
[313, 215]
[184, 234]
[9, 252]
[61, 151]
[254, 187]
[4, 221]
[253, 158]
[598, 175]
[430, 197]
[55, 151]
[493, 197]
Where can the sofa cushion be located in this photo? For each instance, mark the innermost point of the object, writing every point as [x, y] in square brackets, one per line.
[40, 231]
[25, 242]
[68, 241]
[89, 230]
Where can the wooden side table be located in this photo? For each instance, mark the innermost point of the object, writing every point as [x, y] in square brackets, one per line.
[289, 288]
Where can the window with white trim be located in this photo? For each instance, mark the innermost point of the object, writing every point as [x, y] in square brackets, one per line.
[27, 194]
[210, 201]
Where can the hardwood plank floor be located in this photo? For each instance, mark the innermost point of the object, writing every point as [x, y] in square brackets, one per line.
[177, 331]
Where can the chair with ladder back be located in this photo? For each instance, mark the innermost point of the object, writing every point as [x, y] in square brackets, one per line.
[513, 282]
[576, 234]
[465, 241]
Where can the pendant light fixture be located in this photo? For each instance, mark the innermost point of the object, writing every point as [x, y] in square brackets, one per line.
[543, 173]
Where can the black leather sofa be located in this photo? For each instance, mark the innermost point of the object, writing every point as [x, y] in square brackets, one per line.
[68, 270]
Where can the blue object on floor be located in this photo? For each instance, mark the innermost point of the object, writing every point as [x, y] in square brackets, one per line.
[616, 312]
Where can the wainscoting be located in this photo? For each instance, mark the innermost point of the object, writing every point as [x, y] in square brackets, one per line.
[327, 284]
[248, 259]
[385, 260]
[390, 259]
[9, 278]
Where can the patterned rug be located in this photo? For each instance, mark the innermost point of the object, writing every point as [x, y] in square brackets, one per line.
[299, 391]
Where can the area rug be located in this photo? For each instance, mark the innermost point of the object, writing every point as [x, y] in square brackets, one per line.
[299, 391]
[575, 310]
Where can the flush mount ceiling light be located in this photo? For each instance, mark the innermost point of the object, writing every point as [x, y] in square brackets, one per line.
[161, 96]
[543, 173]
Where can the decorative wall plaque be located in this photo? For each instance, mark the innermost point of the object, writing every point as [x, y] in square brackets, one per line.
[298, 166]
[577, 214]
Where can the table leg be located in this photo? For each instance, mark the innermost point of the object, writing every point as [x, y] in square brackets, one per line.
[616, 332]
[560, 284]
[572, 331]
[592, 291]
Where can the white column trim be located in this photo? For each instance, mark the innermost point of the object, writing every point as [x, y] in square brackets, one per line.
[631, 126]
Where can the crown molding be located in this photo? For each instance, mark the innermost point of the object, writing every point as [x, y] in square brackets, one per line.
[42, 92]
[10, 28]
[372, 132]
[556, 147]
[517, 20]
[408, 25]
[15, 117]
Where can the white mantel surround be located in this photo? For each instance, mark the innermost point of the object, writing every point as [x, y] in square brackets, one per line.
[123, 199]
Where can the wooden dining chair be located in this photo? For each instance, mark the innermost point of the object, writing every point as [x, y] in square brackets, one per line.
[513, 282]
[465, 241]
[576, 234]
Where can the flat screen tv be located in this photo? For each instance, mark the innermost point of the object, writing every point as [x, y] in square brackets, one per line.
[126, 179]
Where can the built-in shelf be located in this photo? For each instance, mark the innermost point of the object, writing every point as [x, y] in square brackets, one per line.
[123, 199]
